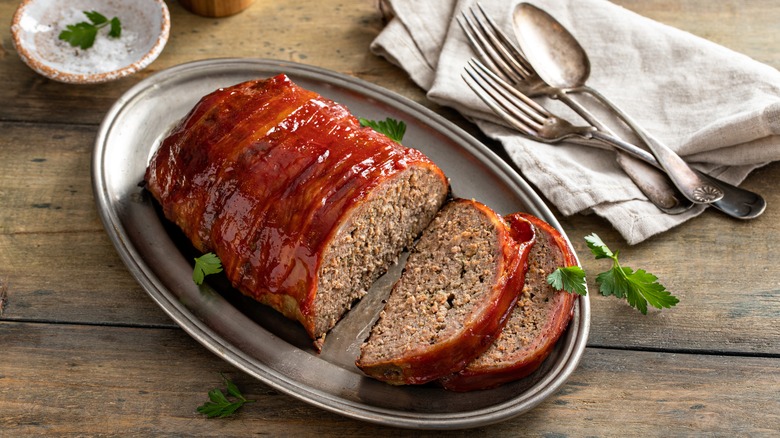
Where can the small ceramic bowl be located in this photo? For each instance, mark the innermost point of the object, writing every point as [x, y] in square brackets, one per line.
[37, 25]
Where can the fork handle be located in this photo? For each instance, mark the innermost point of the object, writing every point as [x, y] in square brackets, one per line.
[690, 183]
[651, 181]
[736, 202]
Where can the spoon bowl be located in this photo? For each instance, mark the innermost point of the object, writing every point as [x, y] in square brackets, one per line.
[558, 57]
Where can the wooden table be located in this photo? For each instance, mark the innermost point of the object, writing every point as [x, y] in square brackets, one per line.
[85, 351]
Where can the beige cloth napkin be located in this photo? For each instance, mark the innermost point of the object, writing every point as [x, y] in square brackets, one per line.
[717, 108]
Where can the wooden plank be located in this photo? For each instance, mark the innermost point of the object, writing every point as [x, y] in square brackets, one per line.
[71, 277]
[50, 232]
[75, 380]
[45, 181]
[55, 257]
[743, 26]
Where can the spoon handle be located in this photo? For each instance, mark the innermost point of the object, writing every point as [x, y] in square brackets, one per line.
[651, 181]
[690, 182]
[736, 202]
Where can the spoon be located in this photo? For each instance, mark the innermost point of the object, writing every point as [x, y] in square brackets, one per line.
[560, 60]
[736, 202]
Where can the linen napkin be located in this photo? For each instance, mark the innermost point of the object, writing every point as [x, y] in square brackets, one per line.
[718, 109]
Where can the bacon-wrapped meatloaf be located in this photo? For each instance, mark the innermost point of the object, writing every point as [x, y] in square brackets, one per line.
[305, 208]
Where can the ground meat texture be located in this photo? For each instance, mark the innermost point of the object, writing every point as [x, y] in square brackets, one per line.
[539, 318]
[456, 289]
[531, 311]
[372, 239]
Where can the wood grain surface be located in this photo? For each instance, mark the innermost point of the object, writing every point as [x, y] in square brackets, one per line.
[85, 352]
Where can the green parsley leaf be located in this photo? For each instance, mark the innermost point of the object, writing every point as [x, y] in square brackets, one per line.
[96, 17]
[83, 34]
[79, 34]
[116, 28]
[570, 279]
[206, 264]
[639, 287]
[219, 406]
[390, 127]
[598, 247]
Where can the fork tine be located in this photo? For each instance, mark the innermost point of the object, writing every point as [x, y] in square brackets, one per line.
[510, 53]
[493, 46]
[484, 49]
[485, 87]
[509, 93]
[498, 109]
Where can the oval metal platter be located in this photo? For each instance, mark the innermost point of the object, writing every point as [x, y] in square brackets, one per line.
[256, 339]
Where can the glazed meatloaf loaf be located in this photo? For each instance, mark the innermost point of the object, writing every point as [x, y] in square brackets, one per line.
[459, 285]
[304, 207]
[540, 317]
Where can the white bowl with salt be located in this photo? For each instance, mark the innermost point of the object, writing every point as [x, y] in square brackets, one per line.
[131, 37]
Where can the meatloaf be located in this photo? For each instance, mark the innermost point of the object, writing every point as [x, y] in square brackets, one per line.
[304, 207]
[454, 295]
[540, 316]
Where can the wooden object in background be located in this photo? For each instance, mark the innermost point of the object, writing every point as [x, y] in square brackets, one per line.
[216, 8]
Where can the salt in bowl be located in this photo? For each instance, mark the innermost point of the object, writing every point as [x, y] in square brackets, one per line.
[37, 24]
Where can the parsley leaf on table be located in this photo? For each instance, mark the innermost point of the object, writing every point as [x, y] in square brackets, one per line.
[390, 127]
[83, 34]
[639, 287]
[219, 406]
[206, 264]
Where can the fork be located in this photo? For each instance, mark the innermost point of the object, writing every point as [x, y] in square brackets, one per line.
[537, 123]
[494, 48]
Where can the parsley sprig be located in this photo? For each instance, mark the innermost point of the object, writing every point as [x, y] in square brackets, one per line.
[390, 127]
[83, 34]
[570, 278]
[639, 287]
[219, 406]
[206, 264]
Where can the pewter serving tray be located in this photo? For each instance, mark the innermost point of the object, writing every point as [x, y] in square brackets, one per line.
[256, 339]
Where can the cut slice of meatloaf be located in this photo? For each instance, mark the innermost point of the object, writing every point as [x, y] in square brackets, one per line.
[453, 297]
[540, 317]
[304, 207]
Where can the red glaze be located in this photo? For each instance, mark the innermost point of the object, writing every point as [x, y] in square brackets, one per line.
[448, 356]
[562, 308]
[263, 173]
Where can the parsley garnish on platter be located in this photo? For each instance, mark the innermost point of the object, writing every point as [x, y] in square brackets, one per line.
[206, 264]
[219, 406]
[570, 278]
[390, 127]
[82, 34]
[639, 287]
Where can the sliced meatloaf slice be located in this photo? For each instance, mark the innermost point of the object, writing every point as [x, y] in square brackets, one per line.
[304, 207]
[540, 317]
[454, 295]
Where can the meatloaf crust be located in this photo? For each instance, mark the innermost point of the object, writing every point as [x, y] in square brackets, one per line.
[304, 207]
